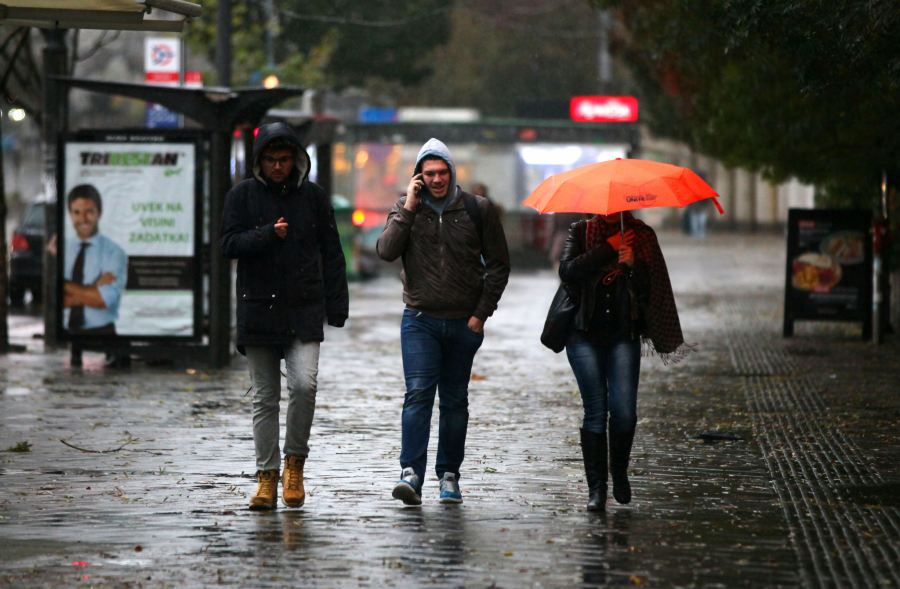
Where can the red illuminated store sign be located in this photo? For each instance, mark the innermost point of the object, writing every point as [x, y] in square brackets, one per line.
[604, 109]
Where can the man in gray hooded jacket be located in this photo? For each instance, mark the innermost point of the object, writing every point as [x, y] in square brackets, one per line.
[455, 268]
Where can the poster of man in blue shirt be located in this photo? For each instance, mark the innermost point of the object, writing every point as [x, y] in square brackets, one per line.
[95, 268]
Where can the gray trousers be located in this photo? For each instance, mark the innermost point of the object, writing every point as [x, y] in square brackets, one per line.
[301, 360]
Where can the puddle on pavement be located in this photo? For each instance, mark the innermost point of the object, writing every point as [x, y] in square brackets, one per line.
[17, 391]
[23, 548]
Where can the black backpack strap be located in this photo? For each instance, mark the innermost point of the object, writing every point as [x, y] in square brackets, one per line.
[471, 204]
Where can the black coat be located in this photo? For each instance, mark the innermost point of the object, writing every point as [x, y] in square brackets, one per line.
[286, 287]
[583, 270]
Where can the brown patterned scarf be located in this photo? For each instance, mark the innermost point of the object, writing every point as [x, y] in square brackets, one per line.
[662, 335]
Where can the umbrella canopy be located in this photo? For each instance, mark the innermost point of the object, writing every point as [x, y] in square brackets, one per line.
[620, 185]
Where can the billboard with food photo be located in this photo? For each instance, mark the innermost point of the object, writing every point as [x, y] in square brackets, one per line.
[829, 267]
[129, 236]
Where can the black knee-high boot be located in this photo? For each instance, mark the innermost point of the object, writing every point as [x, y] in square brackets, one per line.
[619, 454]
[593, 449]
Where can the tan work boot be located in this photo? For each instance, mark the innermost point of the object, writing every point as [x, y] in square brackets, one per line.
[267, 493]
[293, 494]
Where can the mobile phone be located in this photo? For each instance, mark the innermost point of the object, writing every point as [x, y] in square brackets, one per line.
[420, 189]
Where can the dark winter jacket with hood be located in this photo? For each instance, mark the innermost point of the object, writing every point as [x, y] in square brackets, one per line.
[286, 287]
[443, 272]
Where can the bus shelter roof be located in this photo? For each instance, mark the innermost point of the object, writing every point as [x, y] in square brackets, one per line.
[128, 15]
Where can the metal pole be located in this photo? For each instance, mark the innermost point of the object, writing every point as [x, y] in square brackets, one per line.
[223, 42]
[55, 122]
[4, 274]
[181, 74]
[885, 315]
[220, 184]
[270, 34]
[604, 61]
[4, 263]
[220, 267]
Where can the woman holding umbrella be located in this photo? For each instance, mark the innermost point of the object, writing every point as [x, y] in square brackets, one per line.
[615, 272]
[616, 276]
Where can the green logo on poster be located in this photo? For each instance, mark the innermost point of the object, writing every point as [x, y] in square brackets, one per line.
[173, 172]
[131, 158]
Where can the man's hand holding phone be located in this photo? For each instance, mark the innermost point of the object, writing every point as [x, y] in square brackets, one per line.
[416, 185]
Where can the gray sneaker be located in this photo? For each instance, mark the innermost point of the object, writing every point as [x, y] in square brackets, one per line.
[409, 488]
[450, 489]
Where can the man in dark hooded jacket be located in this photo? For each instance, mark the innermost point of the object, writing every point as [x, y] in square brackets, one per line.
[280, 227]
[455, 267]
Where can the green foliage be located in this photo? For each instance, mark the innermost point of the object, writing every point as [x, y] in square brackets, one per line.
[786, 87]
[331, 43]
[503, 51]
[20, 447]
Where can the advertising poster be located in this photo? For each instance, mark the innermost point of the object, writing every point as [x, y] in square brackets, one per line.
[128, 248]
[829, 267]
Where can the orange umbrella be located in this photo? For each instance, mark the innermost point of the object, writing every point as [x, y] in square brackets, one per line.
[620, 185]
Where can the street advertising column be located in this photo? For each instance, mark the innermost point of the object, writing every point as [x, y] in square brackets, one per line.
[829, 267]
[130, 212]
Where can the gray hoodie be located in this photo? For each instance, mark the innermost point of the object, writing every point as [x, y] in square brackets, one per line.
[435, 147]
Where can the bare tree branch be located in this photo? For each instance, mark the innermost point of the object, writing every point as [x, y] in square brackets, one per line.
[99, 45]
[97, 451]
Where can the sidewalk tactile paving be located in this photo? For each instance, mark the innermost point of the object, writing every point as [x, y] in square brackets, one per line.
[839, 542]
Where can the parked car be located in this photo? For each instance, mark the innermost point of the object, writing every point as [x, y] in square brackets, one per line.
[370, 265]
[26, 261]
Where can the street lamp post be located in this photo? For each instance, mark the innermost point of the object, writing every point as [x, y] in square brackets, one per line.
[55, 121]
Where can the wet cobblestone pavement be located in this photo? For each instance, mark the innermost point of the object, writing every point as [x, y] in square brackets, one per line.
[808, 497]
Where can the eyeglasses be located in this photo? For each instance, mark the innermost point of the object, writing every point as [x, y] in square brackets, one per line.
[271, 161]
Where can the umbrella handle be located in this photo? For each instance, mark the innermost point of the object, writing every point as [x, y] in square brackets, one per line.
[622, 221]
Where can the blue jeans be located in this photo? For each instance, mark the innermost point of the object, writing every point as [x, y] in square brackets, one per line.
[608, 380]
[437, 356]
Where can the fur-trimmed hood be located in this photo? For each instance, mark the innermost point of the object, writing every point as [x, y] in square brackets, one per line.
[280, 131]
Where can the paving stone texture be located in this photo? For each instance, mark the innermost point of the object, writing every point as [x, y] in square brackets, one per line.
[808, 497]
